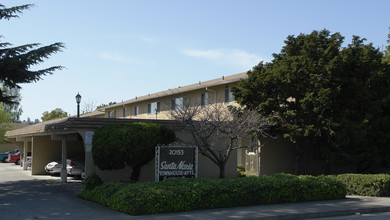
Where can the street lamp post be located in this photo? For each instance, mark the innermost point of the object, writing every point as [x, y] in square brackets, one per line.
[78, 100]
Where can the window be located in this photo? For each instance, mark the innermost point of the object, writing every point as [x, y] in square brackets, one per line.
[178, 103]
[112, 114]
[124, 112]
[204, 99]
[228, 95]
[173, 104]
[154, 108]
[136, 110]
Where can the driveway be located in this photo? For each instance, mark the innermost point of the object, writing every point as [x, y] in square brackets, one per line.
[26, 197]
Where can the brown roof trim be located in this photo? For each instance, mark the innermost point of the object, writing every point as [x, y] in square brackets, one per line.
[72, 124]
[201, 85]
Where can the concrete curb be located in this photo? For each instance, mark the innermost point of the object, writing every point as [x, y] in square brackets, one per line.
[336, 213]
[351, 205]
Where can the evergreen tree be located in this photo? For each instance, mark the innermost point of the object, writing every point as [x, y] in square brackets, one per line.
[387, 50]
[15, 62]
[5, 123]
[14, 108]
[323, 96]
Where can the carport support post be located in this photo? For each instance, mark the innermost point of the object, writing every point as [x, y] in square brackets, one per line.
[63, 138]
[25, 145]
[64, 174]
[25, 150]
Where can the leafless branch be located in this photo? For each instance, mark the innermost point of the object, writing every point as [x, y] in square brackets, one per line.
[217, 128]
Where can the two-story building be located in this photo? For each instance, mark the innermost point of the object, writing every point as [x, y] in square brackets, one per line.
[158, 105]
[71, 137]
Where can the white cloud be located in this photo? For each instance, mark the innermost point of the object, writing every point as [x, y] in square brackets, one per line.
[234, 57]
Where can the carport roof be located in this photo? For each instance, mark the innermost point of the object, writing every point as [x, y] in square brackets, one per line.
[71, 125]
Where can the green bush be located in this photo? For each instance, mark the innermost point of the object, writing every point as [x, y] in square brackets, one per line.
[366, 184]
[176, 195]
[91, 182]
[116, 145]
[241, 171]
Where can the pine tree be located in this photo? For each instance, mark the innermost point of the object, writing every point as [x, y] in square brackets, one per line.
[5, 123]
[13, 108]
[15, 62]
[387, 50]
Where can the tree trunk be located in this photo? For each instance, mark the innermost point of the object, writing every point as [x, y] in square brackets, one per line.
[297, 164]
[299, 152]
[136, 173]
[363, 166]
[222, 171]
[327, 167]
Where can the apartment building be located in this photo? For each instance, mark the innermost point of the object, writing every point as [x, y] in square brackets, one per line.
[47, 141]
[158, 105]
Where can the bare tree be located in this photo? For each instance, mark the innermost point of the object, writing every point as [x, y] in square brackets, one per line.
[216, 129]
[89, 106]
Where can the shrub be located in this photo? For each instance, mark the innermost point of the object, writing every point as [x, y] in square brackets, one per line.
[175, 195]
[366, 184]
[116, 145]
[241, 171]
[91, 182]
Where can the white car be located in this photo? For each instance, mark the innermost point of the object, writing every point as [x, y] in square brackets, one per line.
[75, 168]
[28, 161]
[54, 167]
[72, 167]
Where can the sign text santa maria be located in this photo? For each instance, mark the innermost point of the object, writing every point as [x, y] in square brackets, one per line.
[176, 160]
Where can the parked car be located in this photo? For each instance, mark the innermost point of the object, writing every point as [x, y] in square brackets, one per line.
[54, 167]
[28, 161]
[14, 158]
[4, 156]
[74, 168]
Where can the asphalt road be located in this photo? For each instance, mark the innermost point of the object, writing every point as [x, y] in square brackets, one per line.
[26, 197]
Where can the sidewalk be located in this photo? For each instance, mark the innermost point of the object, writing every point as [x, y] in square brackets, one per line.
[350, 206]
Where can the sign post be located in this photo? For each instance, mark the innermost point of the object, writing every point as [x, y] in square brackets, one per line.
[176, 160]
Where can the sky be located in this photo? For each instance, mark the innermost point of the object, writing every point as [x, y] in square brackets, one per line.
[117, 50]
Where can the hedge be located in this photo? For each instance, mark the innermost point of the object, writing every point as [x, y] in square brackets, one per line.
[195, 194]
[366, 184]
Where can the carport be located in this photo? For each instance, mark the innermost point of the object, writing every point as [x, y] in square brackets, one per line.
[63, 138]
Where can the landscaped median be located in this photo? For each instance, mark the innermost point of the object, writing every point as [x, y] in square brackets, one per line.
[194, 194]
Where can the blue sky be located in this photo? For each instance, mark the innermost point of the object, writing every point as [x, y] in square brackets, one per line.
[116, 50]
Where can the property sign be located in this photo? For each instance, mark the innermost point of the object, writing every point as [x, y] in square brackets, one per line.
[88, 137]
[176, 160]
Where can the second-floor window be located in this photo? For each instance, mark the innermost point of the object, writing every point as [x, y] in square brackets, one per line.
[112, 114]
[204, 99]
[178, 103]
[154, 108]
[228, 95]
[135, 110]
